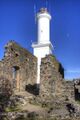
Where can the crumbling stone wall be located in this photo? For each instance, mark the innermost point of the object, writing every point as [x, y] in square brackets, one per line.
[20, 66]
[68, 89]
[18, 60]
[52, 82]
[57, 65]
[51, 79]
[1, 68]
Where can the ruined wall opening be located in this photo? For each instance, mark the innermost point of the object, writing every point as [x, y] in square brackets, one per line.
[77, 94]
[16, 77]
[77, 89]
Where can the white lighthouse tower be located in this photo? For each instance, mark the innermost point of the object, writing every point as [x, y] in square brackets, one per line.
[43, 46]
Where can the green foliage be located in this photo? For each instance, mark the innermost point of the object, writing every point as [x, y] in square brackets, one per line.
[12, 109]
[78, 101]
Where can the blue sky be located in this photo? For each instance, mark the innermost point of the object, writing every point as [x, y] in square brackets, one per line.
[17, 22]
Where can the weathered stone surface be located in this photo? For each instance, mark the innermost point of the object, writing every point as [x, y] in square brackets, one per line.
[51, 79]
[68, 90]
[19, 66]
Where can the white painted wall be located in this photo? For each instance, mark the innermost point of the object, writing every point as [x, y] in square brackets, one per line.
[43, 27]
[41, 52]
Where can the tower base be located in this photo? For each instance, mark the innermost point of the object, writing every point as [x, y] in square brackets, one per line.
[41, 50]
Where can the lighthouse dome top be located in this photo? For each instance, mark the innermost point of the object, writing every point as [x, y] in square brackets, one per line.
[43, 13]
[43, 10]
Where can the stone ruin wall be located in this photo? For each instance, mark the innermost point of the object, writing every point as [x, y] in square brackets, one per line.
[52, 72]
[1, 68]
[68, 89]
[51, 79]
[16, 56]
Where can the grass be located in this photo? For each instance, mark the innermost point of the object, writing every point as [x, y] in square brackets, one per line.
[78, 101]
[12, 109]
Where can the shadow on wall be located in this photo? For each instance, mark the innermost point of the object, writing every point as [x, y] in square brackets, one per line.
[71, 109]
[33, 89]
[61, 70]
[77, 94]
[77, 89]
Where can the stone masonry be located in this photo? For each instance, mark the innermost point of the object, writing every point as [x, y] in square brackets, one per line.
[19, 66]
[51, 78]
